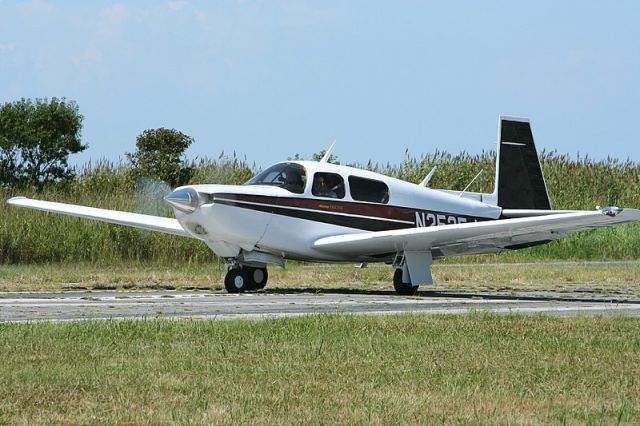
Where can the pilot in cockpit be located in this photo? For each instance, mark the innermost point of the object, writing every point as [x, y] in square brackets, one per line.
[293, 181]
[321, 188]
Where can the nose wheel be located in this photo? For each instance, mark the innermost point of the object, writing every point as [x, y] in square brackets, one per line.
[236, 280]
[245, 278]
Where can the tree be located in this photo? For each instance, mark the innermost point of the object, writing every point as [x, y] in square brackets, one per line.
[160, 154]
[332, 158]
[36, 139]
[316, 157]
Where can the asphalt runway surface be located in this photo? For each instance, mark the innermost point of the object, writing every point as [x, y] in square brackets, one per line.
[105, 304]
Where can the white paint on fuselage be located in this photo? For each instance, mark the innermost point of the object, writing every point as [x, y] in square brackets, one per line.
[230, 229]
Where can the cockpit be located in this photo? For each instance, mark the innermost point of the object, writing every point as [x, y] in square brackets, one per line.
[290, 176]
[293, 177]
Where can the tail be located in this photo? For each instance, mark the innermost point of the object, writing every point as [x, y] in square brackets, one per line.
[519, 180]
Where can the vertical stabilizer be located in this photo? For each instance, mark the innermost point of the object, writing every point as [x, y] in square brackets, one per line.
[519, 180]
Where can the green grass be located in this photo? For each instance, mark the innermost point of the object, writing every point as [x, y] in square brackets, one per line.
[324, 369]
[617, 280]
[27, 236]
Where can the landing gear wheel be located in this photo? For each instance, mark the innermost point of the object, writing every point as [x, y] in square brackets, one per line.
[236, 280]
[403, 289]
[257, 277]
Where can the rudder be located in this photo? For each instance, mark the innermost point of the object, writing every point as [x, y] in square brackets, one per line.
[520, 183]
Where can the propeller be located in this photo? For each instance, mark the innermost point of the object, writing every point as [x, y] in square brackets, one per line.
[149, 195]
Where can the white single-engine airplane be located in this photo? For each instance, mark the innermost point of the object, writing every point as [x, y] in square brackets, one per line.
[317, 211]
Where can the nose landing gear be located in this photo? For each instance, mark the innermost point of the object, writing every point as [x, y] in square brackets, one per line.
[257, 277]
[236, 280]
[242, 278]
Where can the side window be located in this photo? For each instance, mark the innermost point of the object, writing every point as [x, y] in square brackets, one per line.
[370, 190]
[329, 185]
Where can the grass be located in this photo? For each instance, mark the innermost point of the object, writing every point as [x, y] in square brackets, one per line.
[618, 279]
[324, 369]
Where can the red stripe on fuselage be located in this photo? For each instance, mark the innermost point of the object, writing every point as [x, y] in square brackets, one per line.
[419, 217]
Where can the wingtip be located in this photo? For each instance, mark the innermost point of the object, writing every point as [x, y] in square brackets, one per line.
[612, 211]
[630, 215]
[13, 200]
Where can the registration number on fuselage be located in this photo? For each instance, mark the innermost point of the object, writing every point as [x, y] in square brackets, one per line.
[435, 219]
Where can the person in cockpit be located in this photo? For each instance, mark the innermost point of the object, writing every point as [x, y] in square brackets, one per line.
[293, 181]
[323, 189]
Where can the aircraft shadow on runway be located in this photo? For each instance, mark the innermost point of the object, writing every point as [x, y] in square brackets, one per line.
[451, 295]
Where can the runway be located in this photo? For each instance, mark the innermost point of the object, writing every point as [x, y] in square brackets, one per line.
[84, 305]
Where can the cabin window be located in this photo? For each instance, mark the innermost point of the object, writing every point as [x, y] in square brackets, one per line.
[290, 176]
[330, 185]
[370, 190]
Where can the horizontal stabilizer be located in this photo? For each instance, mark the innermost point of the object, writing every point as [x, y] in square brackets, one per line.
[136, 220]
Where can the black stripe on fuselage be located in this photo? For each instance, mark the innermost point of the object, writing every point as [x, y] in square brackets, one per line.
[378, 218]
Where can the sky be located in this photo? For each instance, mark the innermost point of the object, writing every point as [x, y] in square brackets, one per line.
[269, 79]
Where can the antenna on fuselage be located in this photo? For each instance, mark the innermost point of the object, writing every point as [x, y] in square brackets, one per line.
[325, 157]
[470, 183]
[427, 178]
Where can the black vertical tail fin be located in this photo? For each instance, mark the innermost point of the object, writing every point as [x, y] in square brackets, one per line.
[519, 180]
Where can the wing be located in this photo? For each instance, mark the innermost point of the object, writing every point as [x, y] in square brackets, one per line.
[476, 237]
[143, 221]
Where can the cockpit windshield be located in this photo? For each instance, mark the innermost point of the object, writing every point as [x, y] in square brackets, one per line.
[290, 176]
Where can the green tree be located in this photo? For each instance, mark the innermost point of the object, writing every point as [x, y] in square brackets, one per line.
[36, 139]
[318, 156]
[160, 154]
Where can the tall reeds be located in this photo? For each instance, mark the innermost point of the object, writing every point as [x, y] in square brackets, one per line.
[27, 236]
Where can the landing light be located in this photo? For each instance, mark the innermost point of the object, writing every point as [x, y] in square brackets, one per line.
[185, 199]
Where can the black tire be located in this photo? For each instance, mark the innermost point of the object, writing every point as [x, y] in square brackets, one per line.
[257, 277]
[403, 289]
[236, 280]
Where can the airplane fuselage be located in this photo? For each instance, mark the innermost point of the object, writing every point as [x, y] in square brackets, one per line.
[273, 219]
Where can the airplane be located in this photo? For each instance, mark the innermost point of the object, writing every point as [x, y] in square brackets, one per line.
[322, 212]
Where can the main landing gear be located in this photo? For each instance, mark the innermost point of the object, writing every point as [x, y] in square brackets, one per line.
[413, 268]
[401, 287]
[243, 278]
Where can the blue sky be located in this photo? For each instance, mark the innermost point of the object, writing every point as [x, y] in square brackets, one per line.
[268, 79]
